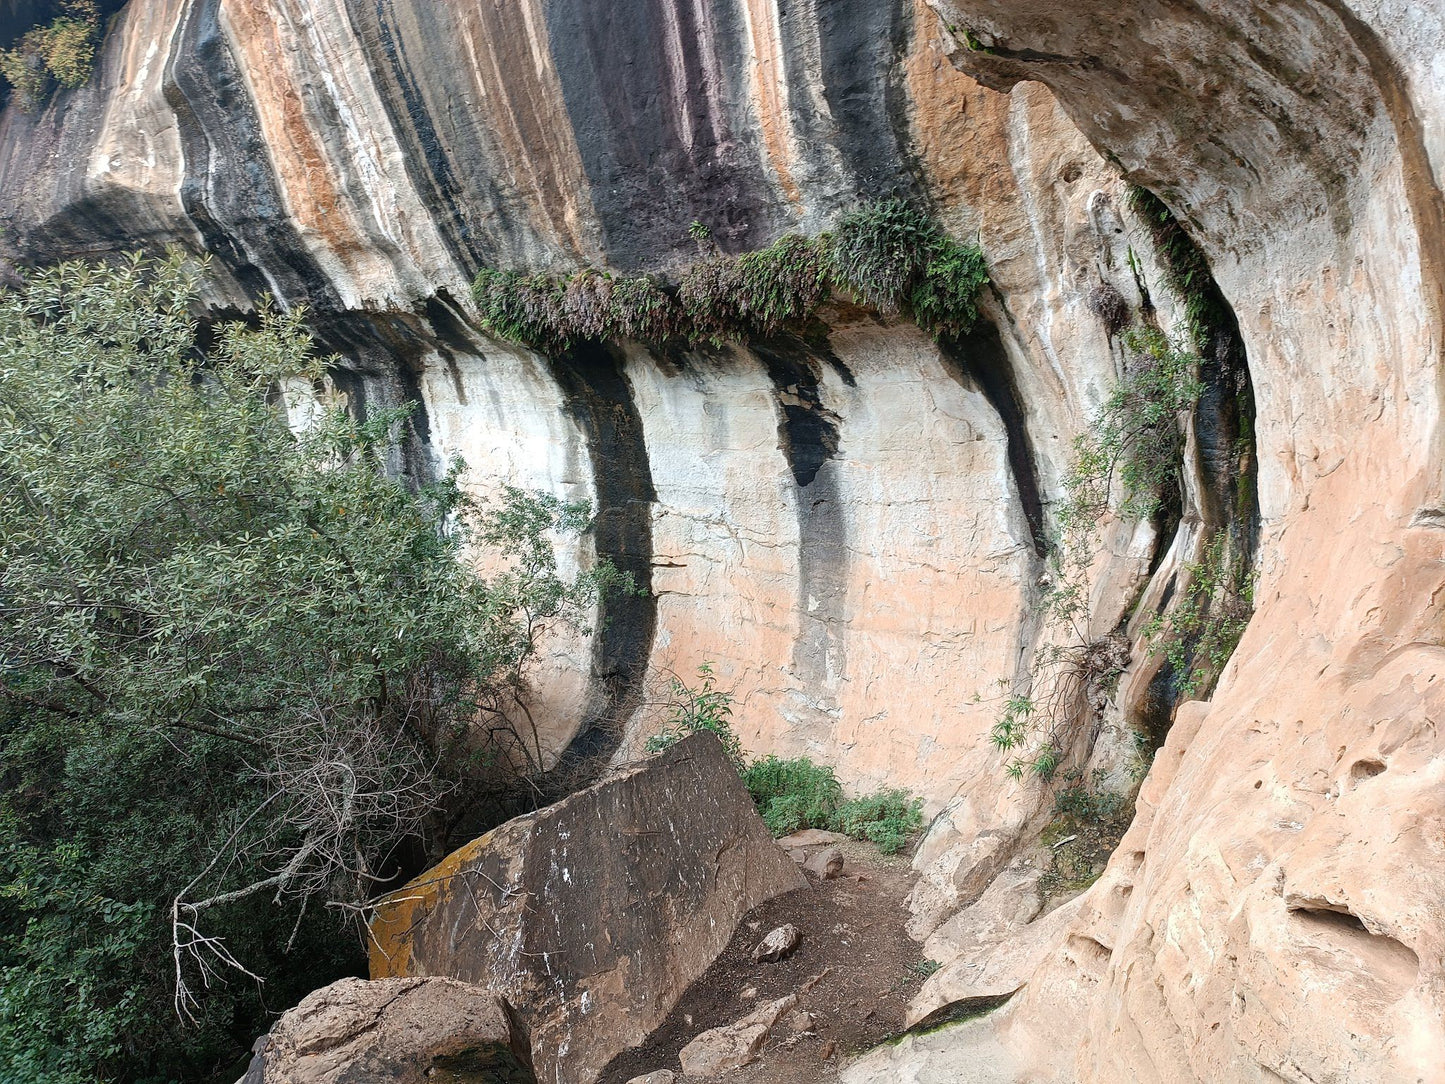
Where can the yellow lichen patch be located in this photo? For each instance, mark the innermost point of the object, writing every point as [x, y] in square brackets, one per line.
[400, 912]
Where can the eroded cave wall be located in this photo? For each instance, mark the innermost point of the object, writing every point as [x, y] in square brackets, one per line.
[845, 526]
[1277, 909]
[848, 527]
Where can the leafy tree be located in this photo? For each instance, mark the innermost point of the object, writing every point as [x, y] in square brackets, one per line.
[693, 710]
[246, 677]
[62, 50]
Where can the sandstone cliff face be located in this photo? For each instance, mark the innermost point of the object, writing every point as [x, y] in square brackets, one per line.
[849, 529]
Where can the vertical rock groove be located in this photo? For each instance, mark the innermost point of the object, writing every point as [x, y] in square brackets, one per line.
[809, 439]
[980, 357]
[229, 191]
[599, 397]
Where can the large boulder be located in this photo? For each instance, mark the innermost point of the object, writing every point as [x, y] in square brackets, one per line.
[394, 1031]
[593, 916]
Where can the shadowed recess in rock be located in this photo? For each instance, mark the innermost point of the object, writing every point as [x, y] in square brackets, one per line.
[979, 359]
[600, 398]
[383, 357]
[809, 439]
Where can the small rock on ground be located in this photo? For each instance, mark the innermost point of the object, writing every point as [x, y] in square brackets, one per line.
[778, 945]
[825, 864]
[662, 1076]
[734, 1046]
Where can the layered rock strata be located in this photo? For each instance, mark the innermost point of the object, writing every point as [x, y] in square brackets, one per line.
[848, 527]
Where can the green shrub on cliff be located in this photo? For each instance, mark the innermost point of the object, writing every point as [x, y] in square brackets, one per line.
[242, 671]
[1136, 438]
[1199, 634]
[886, 254]
[63, 51]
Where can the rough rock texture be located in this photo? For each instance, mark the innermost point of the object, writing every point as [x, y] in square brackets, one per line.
[720, 1049]
[832, 523]
[394, 1031]
[848, 527]
[592, 916]
[1276, 911]
[992, 958]
[967, 1053]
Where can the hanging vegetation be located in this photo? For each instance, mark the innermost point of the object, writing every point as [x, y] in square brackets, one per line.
[887, 255]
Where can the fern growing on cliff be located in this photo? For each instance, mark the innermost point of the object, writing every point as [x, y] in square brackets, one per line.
[885, 254]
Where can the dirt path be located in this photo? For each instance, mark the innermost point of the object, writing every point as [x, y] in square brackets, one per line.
[853, 936]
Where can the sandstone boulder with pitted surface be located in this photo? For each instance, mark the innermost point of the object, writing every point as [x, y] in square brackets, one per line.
[394, 1031]
[591, 917]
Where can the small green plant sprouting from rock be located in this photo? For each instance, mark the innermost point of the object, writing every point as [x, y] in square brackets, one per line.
[1186, 272]
[699, 232]
[695, 710]
[1136, 436]
[925, 969]
[1086, 827]
[61, 52]
[1076, 680]
[1199, 635]
[886, 254]
[790, 794]
[1129, 460]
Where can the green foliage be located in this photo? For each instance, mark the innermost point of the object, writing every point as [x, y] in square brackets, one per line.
[1086, 827]
[240, 666]
[924, 969]
[878, 252]
[887, 818]
[793, 794]
[1137, 436]
[892, 256]
[887, 254]
[1186, 272]
[1066, 680]
[695, 710]
[62, 52]
[944, 299]
[523, 308]
[790, 794]
[1200, 634]
[642, 310]
[782, 284]
[1079, 802]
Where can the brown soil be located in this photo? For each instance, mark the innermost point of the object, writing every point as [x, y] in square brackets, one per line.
[852, 935]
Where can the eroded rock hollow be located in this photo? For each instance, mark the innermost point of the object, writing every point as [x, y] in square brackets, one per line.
[851, 523]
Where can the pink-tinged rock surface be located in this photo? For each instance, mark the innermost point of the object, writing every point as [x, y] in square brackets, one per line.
[848, 527]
